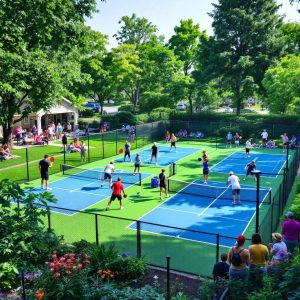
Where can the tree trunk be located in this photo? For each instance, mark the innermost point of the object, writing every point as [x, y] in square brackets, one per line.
[191, 103]
[7, 131]
[238, 100]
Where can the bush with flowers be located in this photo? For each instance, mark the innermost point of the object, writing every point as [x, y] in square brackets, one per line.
[64, 276]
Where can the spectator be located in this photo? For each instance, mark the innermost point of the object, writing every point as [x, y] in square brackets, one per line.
[69, 127]
[259, 254]
[71, 149]
[293, 142]
[50, 132]
[167, 136]
[64, 140]
[39, 140]
[238, 257]
[59, 130]
[236, 139]
[290, 230]
[86, 130]
[264, 137]
[278, 249]
[229, 138]
[18, 133]
[82, 151]
[127, 127]
[285, 141]
[221, 269]
[34, 132]
[271, 144]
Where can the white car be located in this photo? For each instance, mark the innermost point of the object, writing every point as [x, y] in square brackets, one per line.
[181, 106]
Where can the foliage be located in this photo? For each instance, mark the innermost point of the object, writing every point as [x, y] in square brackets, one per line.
[85, 113]
[127, 107]
[291, 35]
[295, 208]
[246, 41]
[25, 242]
[8, 275]
[282, 83]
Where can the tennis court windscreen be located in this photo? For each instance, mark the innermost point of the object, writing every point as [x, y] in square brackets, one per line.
[129, 178]
[216, 192]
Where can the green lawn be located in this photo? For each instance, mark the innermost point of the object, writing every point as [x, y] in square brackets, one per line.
[188, 256]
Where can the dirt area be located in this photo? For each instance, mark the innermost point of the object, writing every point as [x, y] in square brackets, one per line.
[179, 282]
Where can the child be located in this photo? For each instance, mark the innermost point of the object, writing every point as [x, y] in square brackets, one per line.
[205, 170]
[82, 151]
[137, 163]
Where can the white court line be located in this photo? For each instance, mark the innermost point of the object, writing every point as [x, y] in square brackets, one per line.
[197, 214]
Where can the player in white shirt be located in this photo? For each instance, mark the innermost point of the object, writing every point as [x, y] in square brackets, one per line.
[234, 181]
[107, 173]
[285, 141]
[248, 146]
[264, 136]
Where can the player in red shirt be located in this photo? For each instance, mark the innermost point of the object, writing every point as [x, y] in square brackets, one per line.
[117, 189]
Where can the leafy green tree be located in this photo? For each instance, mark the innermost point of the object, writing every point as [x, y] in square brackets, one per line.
[282, 84]
[185, 43]
[36, 41]
[136, 31]
[246, 41]
[291, 35]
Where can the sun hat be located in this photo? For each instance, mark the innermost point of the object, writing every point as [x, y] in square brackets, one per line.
[277, 236]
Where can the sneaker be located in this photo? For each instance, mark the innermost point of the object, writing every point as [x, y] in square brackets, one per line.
[107, 208]
[42, 187]
[205, 181]
[133, 174]
[168, 196]
[160, 197]
[233, 203]
[48, 188]
[122, 207]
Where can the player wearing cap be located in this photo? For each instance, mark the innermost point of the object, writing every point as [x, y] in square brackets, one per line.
[173, 140]
[44, 166]
[247, 149]
[154, 153]
[250, 167]
[162, 183]
[233, 180]
[127, 148]
[107, 173]
[117, 190]
[290, 230]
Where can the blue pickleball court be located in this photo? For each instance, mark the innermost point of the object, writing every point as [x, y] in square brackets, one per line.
[81, 188]
[165, 156]
[271, 164]
[204, 208]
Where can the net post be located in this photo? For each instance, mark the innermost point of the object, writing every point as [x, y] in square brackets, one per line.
[96, 229]
[168, 185]
[257, 173]
[138, 239]
[64, 154]
[116, 141]
[272, 212]
[140, 179]
[270, 196]
[152, 135]
[136, 137]
[174, 169]
[217, 247]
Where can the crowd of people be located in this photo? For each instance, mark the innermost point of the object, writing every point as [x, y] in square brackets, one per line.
[263, 259]
[5, 153]
[185, 134]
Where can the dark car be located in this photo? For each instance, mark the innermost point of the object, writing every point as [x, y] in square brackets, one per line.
[93, 106]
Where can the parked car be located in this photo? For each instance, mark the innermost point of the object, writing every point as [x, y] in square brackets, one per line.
[93, 106]
[181, 106]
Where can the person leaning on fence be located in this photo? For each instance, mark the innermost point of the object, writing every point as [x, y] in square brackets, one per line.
[290, 230]
[239, 258]
[221, 269]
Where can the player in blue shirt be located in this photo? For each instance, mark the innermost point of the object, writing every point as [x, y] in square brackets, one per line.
[127, 148]
[205, 170]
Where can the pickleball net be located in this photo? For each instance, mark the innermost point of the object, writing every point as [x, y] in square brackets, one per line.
[127, 177]
[216, 192]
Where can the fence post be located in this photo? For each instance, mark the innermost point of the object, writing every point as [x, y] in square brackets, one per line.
[96, 227]
[168, 278]
[136, 137]
[102, 146]
[88, 135]
[64, 153]
[27, 163]
[152, 136]
[116, 141]
[218, 248]
[138, 239]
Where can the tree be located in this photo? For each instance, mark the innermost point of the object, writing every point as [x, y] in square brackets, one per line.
[136, 31]
[36, 41]
[185, 43]
[282, 84]
[291, 35]
[246, 42]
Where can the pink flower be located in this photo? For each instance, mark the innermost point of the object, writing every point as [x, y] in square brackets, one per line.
[79, 266]
[51, 269]
[57, 274]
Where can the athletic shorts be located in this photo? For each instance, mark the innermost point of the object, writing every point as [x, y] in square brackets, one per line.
[154, 155]
[127, 153]
[264, 140]
[237, 142]
[285, 143]
[44, 175]
[236, 191]
[137, 165]
[228, 141]
[205, 172]
[173, 143]
[107, 176]
[247, 150]
[162, 185]
[113, 197]
[248, 172]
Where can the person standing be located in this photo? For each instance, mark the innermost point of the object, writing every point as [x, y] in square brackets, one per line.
[221, 269]
[205, 170]
[259, 253]
[59, 130]
[250, 167]
[233, 180]
[34, 132]
[44, 166]
[162, 178]
[290, 230]
[236, 139]
[278, 249]
[127, 148]
[229, 138]
[69, 127]
[285, 141]
[204, 155]
[264, 137]
[82, 151]
[137, 163]
[247, 149]
[64, 140]
[117, 190]
[108, 173]
[154, 153]
[86, 130]
[173, 140]
[239, 258]
[167, 136]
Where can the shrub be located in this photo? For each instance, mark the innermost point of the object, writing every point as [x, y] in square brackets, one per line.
[87, 113]
[127, 107]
